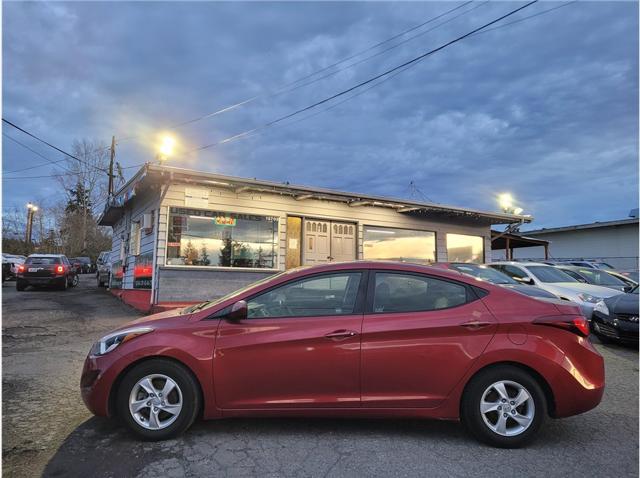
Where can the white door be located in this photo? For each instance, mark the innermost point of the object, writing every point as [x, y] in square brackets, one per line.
[328, 241]
[317, 246]
[343, 242]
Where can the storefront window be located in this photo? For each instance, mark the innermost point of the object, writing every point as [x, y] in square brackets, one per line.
[383, 243]
[463, 248]
[211, 238]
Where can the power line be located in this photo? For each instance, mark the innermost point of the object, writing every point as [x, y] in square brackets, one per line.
[401, 67]
[374, 85]
[293, 85]
[49, 161]
[52, 146]
[61, 175]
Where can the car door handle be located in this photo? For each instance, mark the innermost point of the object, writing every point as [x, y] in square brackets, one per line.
[475, 325]
[341, 334]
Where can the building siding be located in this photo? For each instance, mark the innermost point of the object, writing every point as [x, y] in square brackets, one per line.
[616, 245]
[207, 283]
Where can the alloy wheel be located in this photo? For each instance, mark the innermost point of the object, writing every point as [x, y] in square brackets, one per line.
[155, 401]
[507, 408]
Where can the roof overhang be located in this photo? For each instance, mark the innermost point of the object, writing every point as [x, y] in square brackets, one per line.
[500, 241]
[152, 173]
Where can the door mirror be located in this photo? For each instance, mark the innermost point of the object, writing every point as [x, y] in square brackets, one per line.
[525, 280]
[238, 312]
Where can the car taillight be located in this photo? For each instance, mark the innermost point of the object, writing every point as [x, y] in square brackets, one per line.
[576, 324]
[60, 269]
[20, 268]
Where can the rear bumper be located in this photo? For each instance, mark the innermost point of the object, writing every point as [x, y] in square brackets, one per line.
[578, 385]
[59, 280]
[613, 328]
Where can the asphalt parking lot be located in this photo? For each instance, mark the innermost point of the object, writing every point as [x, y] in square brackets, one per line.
[48, 431]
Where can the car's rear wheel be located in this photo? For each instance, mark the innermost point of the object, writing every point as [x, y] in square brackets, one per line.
[158, 399]
[75, 281]
[503, 407]
[20, 285]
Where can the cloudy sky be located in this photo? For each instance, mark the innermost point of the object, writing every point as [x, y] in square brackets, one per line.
[545, 108]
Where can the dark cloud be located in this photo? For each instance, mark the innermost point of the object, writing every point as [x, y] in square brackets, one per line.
[546, 108]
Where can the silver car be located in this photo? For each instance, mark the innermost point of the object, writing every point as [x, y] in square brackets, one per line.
[103, 272]
[557, 282]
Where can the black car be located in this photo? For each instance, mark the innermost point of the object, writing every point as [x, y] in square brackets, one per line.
[46, 270]
[86, 266]
[616, 318]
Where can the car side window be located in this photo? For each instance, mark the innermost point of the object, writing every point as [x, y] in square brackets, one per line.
[324, 295]
[515, 272]
[396, 292]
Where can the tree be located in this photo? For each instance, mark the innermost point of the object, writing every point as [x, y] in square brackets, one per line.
[190, 253]
[204, 256]
[85, 180]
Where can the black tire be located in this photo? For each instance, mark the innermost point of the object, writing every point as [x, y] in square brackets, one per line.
[473, 419]
[187, 385]
[20, 285]
[64, 285]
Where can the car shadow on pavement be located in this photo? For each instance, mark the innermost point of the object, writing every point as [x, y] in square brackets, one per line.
[102, 447]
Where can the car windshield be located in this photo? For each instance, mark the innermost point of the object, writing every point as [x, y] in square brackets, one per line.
[599, 277]
[484, 273]
[42, 260]
[550, 274]
[603, 265]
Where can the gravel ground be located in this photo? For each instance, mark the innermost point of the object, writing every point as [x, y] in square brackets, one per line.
[48, 431]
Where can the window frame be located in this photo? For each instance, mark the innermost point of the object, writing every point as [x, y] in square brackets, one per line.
[471, 292]
[275, 268]
[358, 308]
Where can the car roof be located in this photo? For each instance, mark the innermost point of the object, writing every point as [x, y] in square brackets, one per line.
[46, 255]
[515, 263]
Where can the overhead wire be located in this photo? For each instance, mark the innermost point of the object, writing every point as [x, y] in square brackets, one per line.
[398, 68]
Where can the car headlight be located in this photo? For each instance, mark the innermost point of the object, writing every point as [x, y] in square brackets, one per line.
[109, 342]
[592, 299]
[602, 308]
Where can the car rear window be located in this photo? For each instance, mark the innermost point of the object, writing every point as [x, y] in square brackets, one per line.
[42, 260]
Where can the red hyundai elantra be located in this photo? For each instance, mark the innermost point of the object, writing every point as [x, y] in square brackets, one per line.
[374, 339]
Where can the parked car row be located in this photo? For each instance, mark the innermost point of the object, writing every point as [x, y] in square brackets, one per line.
[605, 299]
[83, 265]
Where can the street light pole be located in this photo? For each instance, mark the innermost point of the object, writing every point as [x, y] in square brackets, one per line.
[31, 209]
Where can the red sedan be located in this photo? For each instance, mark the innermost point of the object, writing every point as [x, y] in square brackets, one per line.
[375, 339]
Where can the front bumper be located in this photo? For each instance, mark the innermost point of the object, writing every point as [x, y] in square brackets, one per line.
[98, 376]
[612, 327]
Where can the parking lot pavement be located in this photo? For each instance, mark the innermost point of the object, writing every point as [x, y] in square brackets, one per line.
[46, 428]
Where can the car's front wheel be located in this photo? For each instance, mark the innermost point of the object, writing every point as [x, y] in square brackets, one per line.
[503, 407]
[158, 399]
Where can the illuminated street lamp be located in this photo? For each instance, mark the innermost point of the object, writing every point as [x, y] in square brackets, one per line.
[167, 145]
[505, 201]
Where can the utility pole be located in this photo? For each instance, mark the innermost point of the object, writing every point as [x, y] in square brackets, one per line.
[113, 155]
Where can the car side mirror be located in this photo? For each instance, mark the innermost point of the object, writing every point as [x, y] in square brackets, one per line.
[525, 280]
[239, 311]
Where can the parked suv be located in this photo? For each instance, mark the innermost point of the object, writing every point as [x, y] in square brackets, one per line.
[46, 270]
[103, 269]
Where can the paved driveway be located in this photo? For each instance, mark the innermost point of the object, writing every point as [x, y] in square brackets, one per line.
[46, 428]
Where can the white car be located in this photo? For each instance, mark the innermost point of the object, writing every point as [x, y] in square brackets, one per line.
[557, 282]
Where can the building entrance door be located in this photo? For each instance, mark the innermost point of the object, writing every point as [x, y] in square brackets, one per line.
[326, 241]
